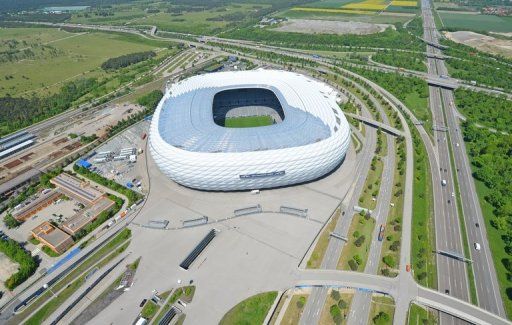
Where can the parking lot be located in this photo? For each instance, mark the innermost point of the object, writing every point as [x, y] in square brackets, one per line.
[124, 171]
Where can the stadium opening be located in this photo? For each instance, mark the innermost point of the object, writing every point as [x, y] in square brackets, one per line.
[247, 130]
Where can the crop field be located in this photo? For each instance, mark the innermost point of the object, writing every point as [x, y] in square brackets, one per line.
[476, 22]
[172, 18]
[66, 56]
[404, 3]
[333, 11]
[368, 11]
[372, 5]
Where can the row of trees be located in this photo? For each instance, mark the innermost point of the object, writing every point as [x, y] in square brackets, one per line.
[406, 60]
[27, 263]
[390, 38]
[491, 156]
[126, 60]
[149, 101]
[490, 111]
[19, 112]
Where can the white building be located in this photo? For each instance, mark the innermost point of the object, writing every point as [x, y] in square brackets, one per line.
[309, 136]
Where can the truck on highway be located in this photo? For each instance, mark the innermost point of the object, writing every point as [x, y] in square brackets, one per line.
[381, 232]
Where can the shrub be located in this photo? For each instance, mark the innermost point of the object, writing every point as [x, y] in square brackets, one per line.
[10, 222]
[335, 294]
[301, 302]
[389, 261]
[358, 259]
[342, 304]
[353, 265]
[395, 246]
[381, 318]
[359, 241]
[336, 314]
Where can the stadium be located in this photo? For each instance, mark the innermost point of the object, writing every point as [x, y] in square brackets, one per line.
[246, 130]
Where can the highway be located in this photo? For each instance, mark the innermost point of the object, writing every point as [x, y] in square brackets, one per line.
[361, 303]
[445, 114]
[316, 300]
[452, 274]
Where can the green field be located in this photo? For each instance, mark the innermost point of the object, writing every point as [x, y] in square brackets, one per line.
[476, 22]
[252, 310]
[376, 19]
[173, 18]
[420, 316]
[70, 56]
[248, 121]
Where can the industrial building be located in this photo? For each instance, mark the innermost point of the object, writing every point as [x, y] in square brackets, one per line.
[81, 191]
[22, 213]
[85, 217]
[308, 138]
[14, 143]
[51, 236]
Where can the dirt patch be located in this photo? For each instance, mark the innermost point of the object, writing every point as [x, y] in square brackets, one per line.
[12, 164]
[331, 27]
[7, 267]
[482, 42]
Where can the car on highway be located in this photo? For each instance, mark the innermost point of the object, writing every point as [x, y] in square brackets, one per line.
[477, 246]
[143, 302]
[381, 232]
[477, 225]
[443, 182]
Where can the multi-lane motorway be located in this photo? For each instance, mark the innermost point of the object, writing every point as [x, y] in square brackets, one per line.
[451, 273]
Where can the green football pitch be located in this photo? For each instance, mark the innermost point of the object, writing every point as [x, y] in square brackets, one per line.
[248, 121]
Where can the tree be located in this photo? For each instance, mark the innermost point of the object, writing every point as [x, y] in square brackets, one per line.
[389, 261]
[382, 318]
[335, 294]
[359, 241]
[10, 222]
[342, 304]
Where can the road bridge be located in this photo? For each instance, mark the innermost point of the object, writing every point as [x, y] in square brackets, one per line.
[441, 82]
[416, 293]
[369, 121]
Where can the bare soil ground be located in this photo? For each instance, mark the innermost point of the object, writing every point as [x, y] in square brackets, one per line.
[331, 27]
[7, 267]
[482, 42]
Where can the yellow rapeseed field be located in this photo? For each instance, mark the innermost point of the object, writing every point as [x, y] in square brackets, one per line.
[404, 3]
[328, 10]
[375, 5]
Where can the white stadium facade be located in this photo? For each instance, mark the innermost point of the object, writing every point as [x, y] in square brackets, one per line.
[307, 138]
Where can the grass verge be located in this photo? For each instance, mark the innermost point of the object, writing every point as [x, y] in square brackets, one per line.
[336, 308]
[295, 309]
[315, 260]
[382, 310]
[420, 316]
[423, 236]
[355, 252]
[252, 310]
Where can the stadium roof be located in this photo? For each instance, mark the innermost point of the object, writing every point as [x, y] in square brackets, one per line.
[186, 118]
